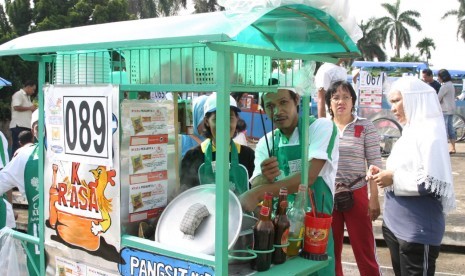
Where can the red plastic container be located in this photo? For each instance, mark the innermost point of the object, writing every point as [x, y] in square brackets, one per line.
[316, 232]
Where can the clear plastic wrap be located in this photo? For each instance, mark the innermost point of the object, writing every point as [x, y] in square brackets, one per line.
[305, 83]
[338, 9]
[12, 254]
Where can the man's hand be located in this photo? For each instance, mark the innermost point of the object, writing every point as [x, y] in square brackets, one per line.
[270, 169]
[249, 200]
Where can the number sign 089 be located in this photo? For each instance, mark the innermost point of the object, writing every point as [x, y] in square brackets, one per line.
[85, 125]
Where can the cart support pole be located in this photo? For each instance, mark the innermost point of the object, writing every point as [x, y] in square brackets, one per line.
[41, 137]
[222, 172]
[305, 124]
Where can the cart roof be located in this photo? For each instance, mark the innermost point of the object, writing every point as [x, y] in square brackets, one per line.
[295, 28]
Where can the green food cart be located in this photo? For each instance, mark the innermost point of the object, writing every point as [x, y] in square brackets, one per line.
[109, 161]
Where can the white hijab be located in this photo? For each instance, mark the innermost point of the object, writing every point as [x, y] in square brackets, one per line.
[423, 146]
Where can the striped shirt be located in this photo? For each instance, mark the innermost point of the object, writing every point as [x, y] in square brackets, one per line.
[358, 149]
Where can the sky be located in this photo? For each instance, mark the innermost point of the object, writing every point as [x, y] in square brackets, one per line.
[449, 51]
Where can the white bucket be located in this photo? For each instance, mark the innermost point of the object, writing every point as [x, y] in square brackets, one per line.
[83, 67]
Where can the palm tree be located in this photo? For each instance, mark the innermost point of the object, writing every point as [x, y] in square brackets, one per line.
[202, 6]
[394, 26]
[155, 8]
[425, 46]
[460, 13]
[369, 44]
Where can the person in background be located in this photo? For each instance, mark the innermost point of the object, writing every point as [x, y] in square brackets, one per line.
[237, 96]
[358, 148]
[21, 111]
[189, 141]
[25, 138]
[461, 97]
[427, 76]
[417, 182]
[446, 97]
[279, 165]
[198, 165]
[325, 76]
[241, 99]
[22, 172]
[241, 131]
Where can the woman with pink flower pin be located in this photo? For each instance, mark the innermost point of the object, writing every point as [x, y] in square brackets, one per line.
[358, 149]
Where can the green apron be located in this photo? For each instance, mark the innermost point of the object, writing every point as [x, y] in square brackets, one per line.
[2, 203]
[290, 161]
[31, 185]
[238, 175]
[2, 212]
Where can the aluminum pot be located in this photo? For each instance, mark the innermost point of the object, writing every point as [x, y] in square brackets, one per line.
[241, 250]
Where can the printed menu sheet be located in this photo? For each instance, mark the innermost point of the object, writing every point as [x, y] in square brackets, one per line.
[148, 159]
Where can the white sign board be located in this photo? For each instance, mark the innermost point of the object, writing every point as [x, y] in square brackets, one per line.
[371, 89]
[80, 122]
[82, 180]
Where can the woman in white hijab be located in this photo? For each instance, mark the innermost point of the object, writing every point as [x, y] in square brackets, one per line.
[417, 180]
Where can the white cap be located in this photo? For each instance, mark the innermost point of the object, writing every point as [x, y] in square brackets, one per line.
[290, 88]
[34, 117]
[210, 104]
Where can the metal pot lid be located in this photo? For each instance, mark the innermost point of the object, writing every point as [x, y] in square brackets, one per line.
[168, 230]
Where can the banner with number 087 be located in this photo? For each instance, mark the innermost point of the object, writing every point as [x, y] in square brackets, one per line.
[78, 122]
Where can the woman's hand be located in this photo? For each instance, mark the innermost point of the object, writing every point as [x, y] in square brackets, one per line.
[373, 208]
[383, 178]
[270, 169]
[372, 170]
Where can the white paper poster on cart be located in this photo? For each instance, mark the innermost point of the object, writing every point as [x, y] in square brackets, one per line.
[82, 191]
[371, 89]
[148, 158]
[66, 267]
[148, 120]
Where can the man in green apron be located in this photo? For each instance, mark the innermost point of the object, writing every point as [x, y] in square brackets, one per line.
[6, 212]
[278, 158]
[22, 172]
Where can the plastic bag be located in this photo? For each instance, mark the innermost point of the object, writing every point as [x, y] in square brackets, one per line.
[12, 254]
[339, 10]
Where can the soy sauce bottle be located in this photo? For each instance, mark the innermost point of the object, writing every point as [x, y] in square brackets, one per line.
[263, 233]
[281, 234]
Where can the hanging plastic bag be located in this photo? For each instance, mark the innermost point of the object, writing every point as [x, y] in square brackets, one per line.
[12, 254]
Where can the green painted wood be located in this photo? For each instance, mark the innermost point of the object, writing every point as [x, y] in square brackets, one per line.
[40, 93]
[22, 236]
[222, 170]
